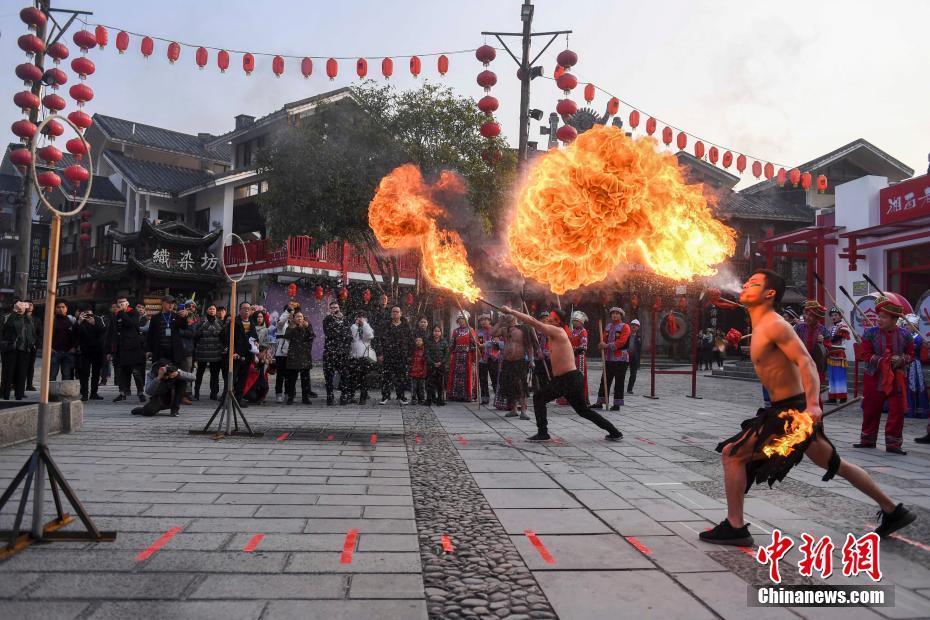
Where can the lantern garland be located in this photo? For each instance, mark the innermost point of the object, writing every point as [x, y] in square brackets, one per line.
[566, 108]
[488, 104]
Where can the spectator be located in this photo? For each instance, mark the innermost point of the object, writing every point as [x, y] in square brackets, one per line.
[164, 334]
[124, 343]
[361, 357]
[187, 319]
[256, 385]
[720, 348]
[144, 320]
[91, 338]
[208, 351]
[281, 346]
[460, 385]
[489, 362]
[222, 313]
[418, 371]
[300, 337]
[261, 326]
[615, 346]
[394, 355]
[64, 343]
[17, 339]
[335, 350]
[437, 357]
[165, 385]
[242, 349]
[33, 351]
[422, 330]
[636, 353]
[107, 320]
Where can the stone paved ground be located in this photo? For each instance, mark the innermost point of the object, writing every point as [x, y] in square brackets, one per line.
[615, 524]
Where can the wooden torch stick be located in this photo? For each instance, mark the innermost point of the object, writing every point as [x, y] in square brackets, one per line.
[837, 306]
[542, 358]
[600, 327]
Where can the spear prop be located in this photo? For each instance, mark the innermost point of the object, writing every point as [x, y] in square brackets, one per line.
[855, 305]
[488, 303]
[837, 306]
[910, 327]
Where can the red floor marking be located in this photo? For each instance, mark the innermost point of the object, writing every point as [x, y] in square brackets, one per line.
[329, 438]
[419, 439]
[158, 544]
[463, 441]
[651, 443]
[447, 544]
[252, 544]
[748, 551]
[283, 436]
[540, 547]
[897, 536]
[639, 546]
[509, 440]
[349, 546]
[557, 441]
[374, 438]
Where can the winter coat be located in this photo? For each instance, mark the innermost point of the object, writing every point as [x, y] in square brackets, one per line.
[282, 344]
[393, 341]
[92, 338]
[262, 331]
[64, 337]
[157, 326]
[337, 339]
[123, 339]
[437, 352]
[19, 333]
[241, 346]
[300, 343]
[208, 340]
[361, 346]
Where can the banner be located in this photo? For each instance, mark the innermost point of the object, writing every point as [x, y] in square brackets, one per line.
[38, 252]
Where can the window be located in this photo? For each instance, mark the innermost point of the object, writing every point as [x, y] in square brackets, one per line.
[170, 216]
[202, 220]
[909, 271]
[252, 189]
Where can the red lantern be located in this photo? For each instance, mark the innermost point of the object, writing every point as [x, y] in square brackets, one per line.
[318, 293]
[681, 140]
[566, 108]
[82, 93]
[76, 174]
[32, 17]
[31, 44]
[794, 176]
[667, 135]
[486, 104]
[202, 56]
[76, 147]
[28, 73]
[86, 214]
[332, 68]
[490, 129]
[780, 179]
[491, 156]
[613, 106]
[83, 66]
[53, 129]
[821, 183]
[566, 133]
[713, 155]
[409, 299]
[757, 169]
[727, 159]
[222, 60]
[366, 295]
[566, 82]
[49, 154]
[56, 77]
[699, 149]
[651, 126]
[604, 299]
[559, 72]
[567, 59]
[361, 67]
[100, 33]
[387, 68]
[741, 163]
[26, 101]
[277, 66]
[343, 294]
[657, 304]
[248, 63]
[174, 52]
[58, 51]
[48, 180]
[634, 119]
[806, 180]
[415, 66]
[147, 46]
[122, 42]
[21, 158]
[85, 239]
[306, 67]
[487, 79]
[768, 170]
[85, 40]
[442, 64]
[589, 93]
[292, 290]
[485, 54]
[80, 118]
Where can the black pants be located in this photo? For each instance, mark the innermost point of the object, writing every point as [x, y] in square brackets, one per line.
[216, 370]
[13, 373]
[486, 371]
[571, 386]
[356, 378]
[167, 396]
[634, 366]
[280, 379]
[329, 374]
[31, 367]
[418, 389]
[89, 365]
[240, 375]
[291, 384]
[436, 385]
[394, 374]
[125, 374]
[616, 374]
[542, 371]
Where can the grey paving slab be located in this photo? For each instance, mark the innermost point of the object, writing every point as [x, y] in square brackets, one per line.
[374, 526]
[43, 610]
[601, 499]
[199, 510]
[509, 480]
[725, 593]
[180, 610]
[664, 509]
[362, 562]
[550, 521]
[582, 552]
[371, 609]
[254, 525]
[45, 560]
[12, 584]
[175, 561]
[529, 498]
[139, 541]
[264, 586]
[501, 466]
[388, 512]
[379, 586]
[270, 498]
[674, 555]
[388, 542]
[110, 586]
[633, 522]
[312, 512]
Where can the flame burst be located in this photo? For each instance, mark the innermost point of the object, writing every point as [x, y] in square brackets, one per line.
[403, 215]
[607, 200]
[799, 425]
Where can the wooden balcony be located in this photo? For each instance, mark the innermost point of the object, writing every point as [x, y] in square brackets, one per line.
[76, 263]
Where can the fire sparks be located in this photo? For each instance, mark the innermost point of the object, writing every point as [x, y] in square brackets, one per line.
[799, 425]
[607, 200]
[404, 213]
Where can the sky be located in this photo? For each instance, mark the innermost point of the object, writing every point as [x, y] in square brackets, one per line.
[780, 81]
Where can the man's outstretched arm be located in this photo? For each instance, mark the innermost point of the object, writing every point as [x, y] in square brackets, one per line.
[545, 328]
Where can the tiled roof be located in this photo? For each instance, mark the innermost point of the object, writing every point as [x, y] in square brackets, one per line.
[10, 184]
[152, 177]
[102, 189]
[748, 207]
[163, 139]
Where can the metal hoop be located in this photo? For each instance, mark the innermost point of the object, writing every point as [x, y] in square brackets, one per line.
[245, 253]
[90, 167]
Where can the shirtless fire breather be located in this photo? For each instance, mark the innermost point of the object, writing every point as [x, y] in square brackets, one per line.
[789, 374]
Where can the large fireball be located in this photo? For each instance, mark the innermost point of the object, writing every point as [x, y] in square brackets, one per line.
[607, 200]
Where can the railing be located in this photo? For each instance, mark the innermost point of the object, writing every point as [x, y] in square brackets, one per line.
[74, 263]
[298, 251]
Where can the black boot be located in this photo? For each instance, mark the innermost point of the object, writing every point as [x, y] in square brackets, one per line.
[924, 439]
[330, 400]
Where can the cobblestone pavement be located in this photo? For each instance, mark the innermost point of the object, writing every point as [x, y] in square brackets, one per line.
[339, 512]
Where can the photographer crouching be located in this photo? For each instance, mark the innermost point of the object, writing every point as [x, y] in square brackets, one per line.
[165, 386]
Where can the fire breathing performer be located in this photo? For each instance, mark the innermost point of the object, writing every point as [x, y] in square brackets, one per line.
[887, 349]
[813, 334]
[566, 379]
[461, 381]
[578, 335]
[836, 358]
[790, 375]
[615, 343]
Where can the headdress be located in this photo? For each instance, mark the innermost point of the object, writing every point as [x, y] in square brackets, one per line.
[617, 309]
[815, 307]
[578, 315]
[463, 314]
[884, 304]
[482, 317]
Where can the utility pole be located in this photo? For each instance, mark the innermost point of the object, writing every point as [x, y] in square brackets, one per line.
[527, 71]
[24, 212]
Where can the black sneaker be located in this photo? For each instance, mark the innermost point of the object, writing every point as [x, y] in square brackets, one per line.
[312, 394]
[924, 439]
[863, 445]
[96, 397]
[540, 437]
[893, 521]
[137, 411]
[616, 407]
[896, 451]
[174, 413]
[726, 534]
[142, 398]
[117, 399]
[616, 437]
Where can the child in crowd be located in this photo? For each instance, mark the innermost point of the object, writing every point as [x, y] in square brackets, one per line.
[418, 371]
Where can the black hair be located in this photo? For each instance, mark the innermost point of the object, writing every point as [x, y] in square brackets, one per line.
[563, 316]
[774, 282]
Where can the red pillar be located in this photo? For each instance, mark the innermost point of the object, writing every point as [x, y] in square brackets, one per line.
[811, 256]
[821, 267]
[345, 263]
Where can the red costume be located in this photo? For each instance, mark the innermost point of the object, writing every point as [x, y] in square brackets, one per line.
[461, 384]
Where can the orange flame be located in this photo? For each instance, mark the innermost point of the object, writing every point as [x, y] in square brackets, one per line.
[403, 215]
[607, 200]
[799, 425]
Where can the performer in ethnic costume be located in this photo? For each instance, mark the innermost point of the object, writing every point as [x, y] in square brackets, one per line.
[925, 362]
[917, 406]
[836, 358]
[489, 361]
[578, 336]
[614, 344]
[786, 369]
[887, 350]
[813, 334]
[461, 382]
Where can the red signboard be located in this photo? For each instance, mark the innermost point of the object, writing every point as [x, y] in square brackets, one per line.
[905, 201]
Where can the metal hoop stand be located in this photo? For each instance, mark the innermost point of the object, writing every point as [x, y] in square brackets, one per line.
[229, 411]
[34, 470]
